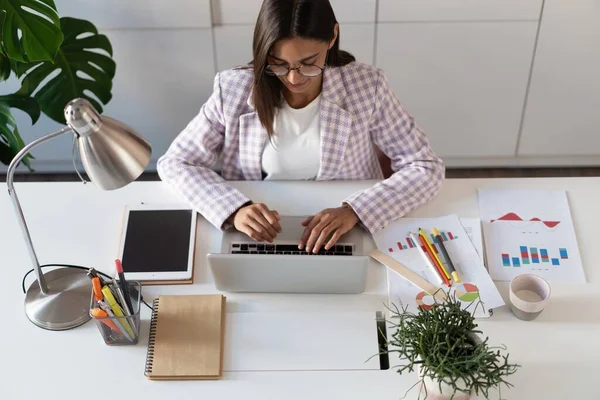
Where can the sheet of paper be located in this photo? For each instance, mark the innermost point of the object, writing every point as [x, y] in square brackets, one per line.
[529, 231]
[476, 283]
[473, 228]
[300, 341]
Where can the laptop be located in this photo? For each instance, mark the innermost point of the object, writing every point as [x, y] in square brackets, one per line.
[244, 265]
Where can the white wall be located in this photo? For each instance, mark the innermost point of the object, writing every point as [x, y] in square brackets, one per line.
[461, 67]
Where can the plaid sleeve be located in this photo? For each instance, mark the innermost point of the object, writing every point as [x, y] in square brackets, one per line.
[418, 171]
[187, 165]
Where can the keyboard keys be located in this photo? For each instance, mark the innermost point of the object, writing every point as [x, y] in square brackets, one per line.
[286, 247]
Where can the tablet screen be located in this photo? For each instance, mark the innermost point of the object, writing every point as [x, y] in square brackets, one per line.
[157, 241]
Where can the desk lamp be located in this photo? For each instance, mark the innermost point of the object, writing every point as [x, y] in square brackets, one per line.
[113, 156]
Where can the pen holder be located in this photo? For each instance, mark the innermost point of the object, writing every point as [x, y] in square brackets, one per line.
[120, 330]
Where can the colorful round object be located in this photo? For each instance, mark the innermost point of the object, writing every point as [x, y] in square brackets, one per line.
[467, 292]
[425, 301]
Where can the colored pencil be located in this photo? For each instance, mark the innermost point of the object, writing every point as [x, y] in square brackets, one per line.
[432, 256]
[440, 241]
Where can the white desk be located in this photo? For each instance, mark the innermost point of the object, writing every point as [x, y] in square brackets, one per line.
[75, 223]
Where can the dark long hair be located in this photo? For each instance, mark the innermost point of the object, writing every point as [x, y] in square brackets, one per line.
[282, 19]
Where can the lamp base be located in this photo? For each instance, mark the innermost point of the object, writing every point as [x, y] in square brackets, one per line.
[67, 303]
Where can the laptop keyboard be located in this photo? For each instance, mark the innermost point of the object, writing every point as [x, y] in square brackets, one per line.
[290, 249]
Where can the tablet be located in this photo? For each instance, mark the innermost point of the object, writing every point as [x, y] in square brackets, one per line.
[157, 242]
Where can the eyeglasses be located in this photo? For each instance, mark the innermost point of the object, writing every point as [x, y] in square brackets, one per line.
[308, 71]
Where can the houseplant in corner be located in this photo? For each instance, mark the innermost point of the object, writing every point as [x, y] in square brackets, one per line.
[442, 344]
[35, 44]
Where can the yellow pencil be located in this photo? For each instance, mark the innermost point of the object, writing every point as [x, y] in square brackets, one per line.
[437, 259]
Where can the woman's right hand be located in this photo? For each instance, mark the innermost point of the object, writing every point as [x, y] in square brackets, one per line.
[258, 222]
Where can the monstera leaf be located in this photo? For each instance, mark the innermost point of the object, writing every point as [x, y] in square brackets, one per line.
[77, 54]
[4, 67]
[10, 139]
[30, 29]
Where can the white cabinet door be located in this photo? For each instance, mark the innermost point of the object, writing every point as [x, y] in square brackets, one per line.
[233, 43]
[163, 77]
[458, 10]
[138, 14]
[226, 12]
[563, 109]
[464, 83]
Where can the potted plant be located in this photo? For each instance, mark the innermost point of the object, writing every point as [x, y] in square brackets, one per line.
[442, 344]
[54, 59]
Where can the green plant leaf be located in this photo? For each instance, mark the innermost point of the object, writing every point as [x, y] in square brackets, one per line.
[78, 53]
[24, 103]
[30, 29]
[10, 139]
[5, 67]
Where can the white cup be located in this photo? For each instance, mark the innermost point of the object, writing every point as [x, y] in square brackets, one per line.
[529, 294]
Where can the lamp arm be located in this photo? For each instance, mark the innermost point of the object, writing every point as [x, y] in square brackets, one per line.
[21, 218]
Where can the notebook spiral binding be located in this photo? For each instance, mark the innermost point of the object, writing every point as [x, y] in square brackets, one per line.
[151, 338]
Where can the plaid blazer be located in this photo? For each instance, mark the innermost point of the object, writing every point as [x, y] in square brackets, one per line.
[358, 109]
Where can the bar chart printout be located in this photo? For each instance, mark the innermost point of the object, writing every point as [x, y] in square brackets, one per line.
[532, 256]
[529, 231]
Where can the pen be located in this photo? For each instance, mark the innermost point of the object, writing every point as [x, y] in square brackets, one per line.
[106, 308]
[100, 313]
[440, 241]
[116, 309]
[117, 290]
[123, 284]
[426, 258]
[92, 273]
[97, 287]
[433, 252]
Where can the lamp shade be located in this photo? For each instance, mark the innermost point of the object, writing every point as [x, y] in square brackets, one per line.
[112, 153]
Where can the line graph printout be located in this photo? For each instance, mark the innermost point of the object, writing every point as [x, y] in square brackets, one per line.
[529, 231]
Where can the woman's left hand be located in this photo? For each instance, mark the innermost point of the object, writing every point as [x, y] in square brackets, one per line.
[326, 227]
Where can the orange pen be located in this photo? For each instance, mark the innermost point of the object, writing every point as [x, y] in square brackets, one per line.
[97, 286]
[99, 313]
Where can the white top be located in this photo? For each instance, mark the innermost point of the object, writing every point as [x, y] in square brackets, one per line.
[294, 152]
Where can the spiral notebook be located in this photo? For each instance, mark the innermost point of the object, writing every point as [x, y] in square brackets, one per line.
[186, 338]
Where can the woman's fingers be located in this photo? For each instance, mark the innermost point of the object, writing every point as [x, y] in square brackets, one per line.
[334, 238]
[259, 229]
[324, 235]
[265, 224]
[315, 234]
[312, 222]
[272, 217]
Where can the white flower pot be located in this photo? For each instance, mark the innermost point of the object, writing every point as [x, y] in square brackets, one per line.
[430, 390]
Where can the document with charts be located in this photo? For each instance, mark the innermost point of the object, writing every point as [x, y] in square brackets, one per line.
[466, 256]
[529, 231]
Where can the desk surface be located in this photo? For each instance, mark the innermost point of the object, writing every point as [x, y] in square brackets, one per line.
[75, 223]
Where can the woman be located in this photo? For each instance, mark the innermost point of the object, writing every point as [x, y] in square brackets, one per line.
[303, 110]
